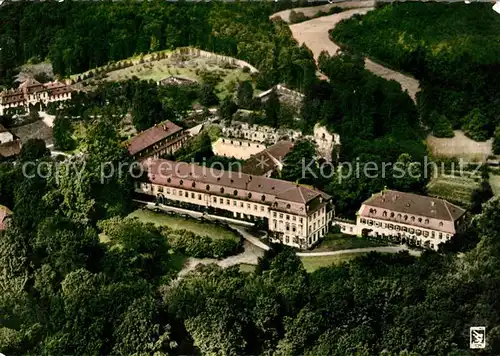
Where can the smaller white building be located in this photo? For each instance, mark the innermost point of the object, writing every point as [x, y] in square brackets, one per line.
[407, 218]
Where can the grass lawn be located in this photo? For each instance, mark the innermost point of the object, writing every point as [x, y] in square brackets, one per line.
[311, 264]
[339, 241]
[180, 223]
[247, 268]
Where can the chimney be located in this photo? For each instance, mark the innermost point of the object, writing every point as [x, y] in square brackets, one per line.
[165, 127]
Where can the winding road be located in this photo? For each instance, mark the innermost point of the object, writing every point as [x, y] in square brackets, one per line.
[314, 34]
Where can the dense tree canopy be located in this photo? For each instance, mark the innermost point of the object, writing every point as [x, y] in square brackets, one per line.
[452, 49]
[77, 36]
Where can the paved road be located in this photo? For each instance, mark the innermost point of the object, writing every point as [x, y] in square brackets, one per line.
[314, 34]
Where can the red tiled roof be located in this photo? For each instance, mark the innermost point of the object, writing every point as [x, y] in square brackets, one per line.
[265, 161]
[10, 149]
[170, 173]
[151, 136]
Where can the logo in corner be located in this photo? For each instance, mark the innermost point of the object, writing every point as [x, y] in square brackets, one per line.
[477, 336]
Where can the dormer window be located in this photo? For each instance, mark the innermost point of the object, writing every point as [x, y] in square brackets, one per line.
[249, 195]
[406, 217]
[193, 184]
[399, 216]
[181, 182]
[235, 192]
[392, 215]
[263, 198]
[169, 180]
[384, 214]
[440, 224]
[427, 221]
[288, 206]
[419, 220]
[222, 190]
[207, 187]
[412, 218]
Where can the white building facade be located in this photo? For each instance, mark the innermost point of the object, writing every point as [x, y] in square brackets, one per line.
[294, 215]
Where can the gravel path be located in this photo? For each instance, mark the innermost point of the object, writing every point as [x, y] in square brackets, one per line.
[314, 34]
[250, 256]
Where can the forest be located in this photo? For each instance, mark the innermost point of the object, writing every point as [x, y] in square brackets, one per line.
[453, 49]
[77, 36]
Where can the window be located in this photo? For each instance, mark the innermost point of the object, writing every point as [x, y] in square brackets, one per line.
[249, 206]
[384, 214]
[168, 190]
[235, 192]
[274, 214]
[228, 202]
[440, 224]
[370, 222]
[181, 182]
[405, 229]
[255, 207]
[287, 227]
[419, 232]
[215, 200]
[406, 217]
[363, 221]
[392, 215]
[173, 191]
[241, 205]
[221, 201]
[249, 195]
[294, 218]
[261, 208]
[169, 180]
[193, 184]
[287, 217]
[440, 235]
[427, 221]
[199, 196]
[412, 231]
[192, 195]
[160, 189]
[281, 215]
[391, 226]
[207, 187]
[222, 190]
[426, 233]
[263, 198]
[235, 203]
[288, 206]
[300, 220]
[399, 216]
[412, 218]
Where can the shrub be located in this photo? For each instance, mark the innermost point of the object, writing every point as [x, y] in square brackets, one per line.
[442, 127]
[197, 246]
[296, 17]
[475, 125]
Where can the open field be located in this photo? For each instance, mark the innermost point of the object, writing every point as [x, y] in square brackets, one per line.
[460, 146]
[180, 223]
[495, 183]
[311, 264]
[339, 241]
[455, 188]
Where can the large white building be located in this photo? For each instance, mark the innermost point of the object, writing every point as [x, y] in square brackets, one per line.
[294, 215]
[408, 218]
[31, 92]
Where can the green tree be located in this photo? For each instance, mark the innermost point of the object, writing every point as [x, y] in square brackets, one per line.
[476, 125]
[244, 94]
[33, 150]
[300, 163]
[496, 141]
[147, 109]
[441, 126]
[227, 108]
[62, 131]
[272, 109]
[207, 96]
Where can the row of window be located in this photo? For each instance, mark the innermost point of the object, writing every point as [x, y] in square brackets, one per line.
[222, 189]
[242, 205]
[410, 230]
[288, 226]
[286, 216]
[404, 217]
